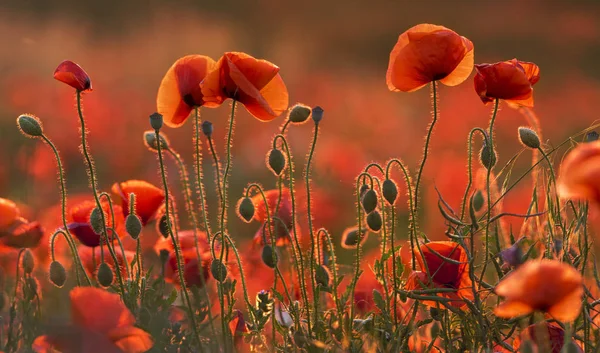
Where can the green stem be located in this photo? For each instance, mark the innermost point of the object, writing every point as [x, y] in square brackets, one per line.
[175, 243]
[199, 182]
[217, 169]
[63, 204]
[469, 167]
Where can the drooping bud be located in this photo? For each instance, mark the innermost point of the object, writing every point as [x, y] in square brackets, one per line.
[105, 275]
[322, 276]
[363, 189]
[28, 262]
[351, 237]
[276, 161]
[486, 157]
[163, 226]
[207, 128]
[369, 201]
[317, 114]
[156, 121]
[268, 256]
[218, 270]
[150, 141]
[96, 221]
[478, 200]
[591, 136]
[299, 113]
[529, 138]
[374, 221]
[30, 125]
[133, 225]
[58, 275]
[246, 209]
[389, 191]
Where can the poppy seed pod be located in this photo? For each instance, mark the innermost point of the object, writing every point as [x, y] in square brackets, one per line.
[163, 226]
[218, 270]
[299, 113]
[369, 201]
[246, 209]
[317, 114]
[150, 141]
[133, 225]
[322, 276]
[276, 161]
[389, 191]
[28, 262]
[478, 200]
[486, 157]
[268, 256]
[156, 121]
[58, 275]
[374, 221]
[96, 221]
[105, 275]
[529, 138]
[207, 128]
[30, 125]
[591, 136]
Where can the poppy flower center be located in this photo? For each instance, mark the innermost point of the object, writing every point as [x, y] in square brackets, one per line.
[189, 100]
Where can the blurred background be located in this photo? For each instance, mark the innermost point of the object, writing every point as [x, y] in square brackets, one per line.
[331, 53]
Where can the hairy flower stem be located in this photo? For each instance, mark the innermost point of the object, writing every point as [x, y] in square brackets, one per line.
[487, 185]
[199, 182]
[469, 167]
[310, 219]
[180, 265]
[426, 150]
[63, 205]
[92, 175]
[187, 194]
[217, 168]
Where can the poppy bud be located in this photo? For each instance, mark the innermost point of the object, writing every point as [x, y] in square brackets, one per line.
[478, 200]
[96, 221]
[299, 113]
[207, 128]
[58, 275]
[163, 226]
[389, 191]
[28, 262]
[369, 201]
[351, 237]
[218, 270]
[105, 275]
[150, 141]
[529, 138]
[156, 121]
[133, 225]
[268, 256]
[276, 161]
[30, 125]
[317, 114]
[164, 256]
[322, 276]
[246, 209]
[487, 159]
[374, 221]
[591, 136]
[363, 189]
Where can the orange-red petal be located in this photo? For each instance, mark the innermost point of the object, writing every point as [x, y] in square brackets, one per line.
[148, 198]
[98, 310]
[73, 75]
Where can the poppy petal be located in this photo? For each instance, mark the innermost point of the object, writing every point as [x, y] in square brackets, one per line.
[274, 101]
[464, 68]
[99, 310]
[510, 309]
[9, 212]
[73, 75]
[568, 308]
[131, 339]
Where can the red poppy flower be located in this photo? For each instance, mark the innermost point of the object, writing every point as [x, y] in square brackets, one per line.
[544, 285]
[254, 83]
[73, 75]
[179, 91]
[579, 173]
[22, 234]
[195, 273]
[554, 340]
[100, 323]
[282, 228]
[91, 258]
[186, 242]
[80, 222]
[238, 328]
[148, 198]
[511, 81]
[427, 53]
[9, 212]
[445, 265]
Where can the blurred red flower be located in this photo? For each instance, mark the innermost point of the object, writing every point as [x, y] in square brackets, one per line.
[179, 91]
[426, 53]
[73, 75]
[554, 340]
[148, 198]
[254, 83]
[80, 222]
[543, 285]
[511, 81]
[579, 172]
[100, 323]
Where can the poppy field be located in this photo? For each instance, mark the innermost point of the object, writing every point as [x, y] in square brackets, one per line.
[225, 201]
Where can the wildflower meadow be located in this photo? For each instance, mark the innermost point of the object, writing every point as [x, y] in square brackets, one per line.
[227, 238]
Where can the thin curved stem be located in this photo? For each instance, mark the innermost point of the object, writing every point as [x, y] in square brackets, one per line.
[200, 184]
[469, 168]
[217, 168]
